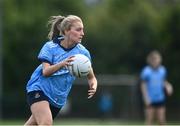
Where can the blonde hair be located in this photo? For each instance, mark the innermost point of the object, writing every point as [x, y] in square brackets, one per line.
[61, 23]
[152, 54]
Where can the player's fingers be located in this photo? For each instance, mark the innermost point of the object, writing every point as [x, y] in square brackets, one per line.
[68, 63]
[71, 58]
[92, 93]
[92, 89]
[90, 96]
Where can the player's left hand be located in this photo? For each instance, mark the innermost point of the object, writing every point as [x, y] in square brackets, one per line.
[91, 92]
[169, 89]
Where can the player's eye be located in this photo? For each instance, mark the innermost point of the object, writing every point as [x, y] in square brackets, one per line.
[79, 29]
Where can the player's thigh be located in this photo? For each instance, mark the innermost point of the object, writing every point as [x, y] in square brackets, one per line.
[41, 112]
[161, 112]
[150, 112]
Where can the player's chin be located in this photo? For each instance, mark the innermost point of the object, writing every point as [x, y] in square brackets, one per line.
[78, 42]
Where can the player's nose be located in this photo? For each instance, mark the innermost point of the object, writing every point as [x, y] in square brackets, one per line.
[82, 33]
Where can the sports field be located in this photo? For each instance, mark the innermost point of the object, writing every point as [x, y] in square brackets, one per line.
[83, 122]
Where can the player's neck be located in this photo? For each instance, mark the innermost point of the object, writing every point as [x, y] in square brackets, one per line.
[67, 44]
[155, 67]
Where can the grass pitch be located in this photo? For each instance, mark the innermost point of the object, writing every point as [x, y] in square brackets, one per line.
[77, 122]
[81, 122]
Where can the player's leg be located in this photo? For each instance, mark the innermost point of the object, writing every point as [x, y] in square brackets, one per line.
[31, 121]
[42, 113]
[40, 109]
[149, 114]
[161, 115]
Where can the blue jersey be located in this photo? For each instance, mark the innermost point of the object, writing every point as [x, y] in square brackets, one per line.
[154, 79]
[58, 85]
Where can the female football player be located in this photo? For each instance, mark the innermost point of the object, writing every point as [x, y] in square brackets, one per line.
[153, 87]
[50, 83]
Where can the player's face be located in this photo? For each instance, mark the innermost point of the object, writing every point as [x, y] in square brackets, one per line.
[76, 32]
[155, 61]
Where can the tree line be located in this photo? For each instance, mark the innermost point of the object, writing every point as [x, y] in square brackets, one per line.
[119, 34]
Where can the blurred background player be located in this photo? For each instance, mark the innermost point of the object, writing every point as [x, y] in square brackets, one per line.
[105, 104]
[154, 87]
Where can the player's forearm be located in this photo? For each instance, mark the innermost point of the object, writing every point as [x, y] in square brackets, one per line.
[92, 80]
[92, 84]
[144, 92]
[49, 70]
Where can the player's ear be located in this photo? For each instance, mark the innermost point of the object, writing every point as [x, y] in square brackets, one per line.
[66, 32]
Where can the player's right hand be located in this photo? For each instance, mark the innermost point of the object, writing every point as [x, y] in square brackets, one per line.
[67, 61]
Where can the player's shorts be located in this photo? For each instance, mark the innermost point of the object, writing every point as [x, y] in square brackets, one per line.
[36, 96]
[158, 104]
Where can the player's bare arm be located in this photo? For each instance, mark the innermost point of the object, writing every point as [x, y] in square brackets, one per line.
[144, 93]
[92, 84]
[50, 69]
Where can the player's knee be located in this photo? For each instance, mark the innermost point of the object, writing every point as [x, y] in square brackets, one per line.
[45, 121]
[30, 123]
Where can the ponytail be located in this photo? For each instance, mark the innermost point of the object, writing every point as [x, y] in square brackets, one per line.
[55, 24]
[59, 24]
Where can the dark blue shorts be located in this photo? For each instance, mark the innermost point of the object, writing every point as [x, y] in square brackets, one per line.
[158, 104]
[36, 96]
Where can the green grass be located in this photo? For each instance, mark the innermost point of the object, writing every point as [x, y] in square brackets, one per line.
[84, 122]
[77, 122]
[11, 122]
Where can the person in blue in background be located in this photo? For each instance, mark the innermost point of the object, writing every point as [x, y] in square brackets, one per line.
[50, 84]
[154, 84]
[105, 104]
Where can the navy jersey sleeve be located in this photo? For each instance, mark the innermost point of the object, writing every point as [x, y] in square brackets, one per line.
[45, 54]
